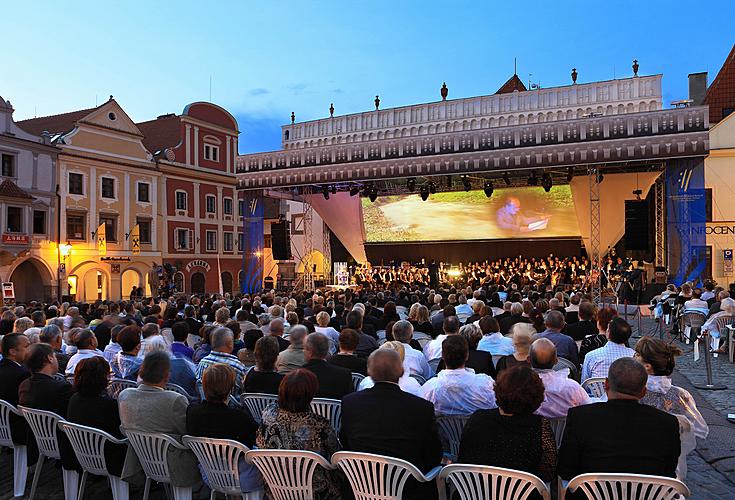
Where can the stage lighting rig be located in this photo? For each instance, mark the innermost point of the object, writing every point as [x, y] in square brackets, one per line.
[432, 188]
[488, 188]
[334, 189]
[325, 192]
[373, 194]
[546, 182]
[506, 178]
[354, 190]
[570, 174]
[466, 183]
[411, 184]
[424, 193]
[532, 179]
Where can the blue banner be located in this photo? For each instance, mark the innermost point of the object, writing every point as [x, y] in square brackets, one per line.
[252, 253]
[686, 220]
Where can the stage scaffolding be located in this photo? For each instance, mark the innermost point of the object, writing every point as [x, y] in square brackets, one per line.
[660, 221]
[308, 242]
[326, 253]
[594, 174]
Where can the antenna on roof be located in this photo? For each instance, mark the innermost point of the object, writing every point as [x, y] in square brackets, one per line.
[515, 66]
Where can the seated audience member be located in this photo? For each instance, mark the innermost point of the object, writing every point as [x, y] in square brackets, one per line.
[516, 316]
[12, 373]
[222, 340]
[293, 357]
[334, 381]
[367, 343]
[51, 335]
[290, 424]
[126, 363]
[113, 347]
[433, 350]
[418, 315]
[521, 335]
[696, 304]
[571, 315]
[492, 340]
[595, 439]
[348, 340]
[512, 435]
[406, 382]
[246, 355]
[457, 390]
[22, 324]
[263, 377]
[204, 347]
[276, 328]
[727, 308]
[560, 392]
[41, 390]
[565, 346]
[322, 321]
[388, 421]
[183, 371]
[213, 418]
[150, 408]
[237, 342]
[437, 320]
[586, 324]
[592, 342]
[90, 405]
[180, 331]
[479, 361]
[597, 362]
[86, 344]
[190, 319]
[414, 360]
[659, 359]
[148, 332]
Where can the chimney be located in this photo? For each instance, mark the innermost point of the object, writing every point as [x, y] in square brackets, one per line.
[697, 88]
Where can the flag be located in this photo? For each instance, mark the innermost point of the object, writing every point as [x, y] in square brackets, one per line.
[219, 277]
[101, 240]
[135, 240]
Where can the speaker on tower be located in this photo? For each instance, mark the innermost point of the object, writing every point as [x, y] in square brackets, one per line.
[636, 225]
[281, 241]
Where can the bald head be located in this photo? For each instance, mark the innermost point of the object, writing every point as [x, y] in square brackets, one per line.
[626, 379]
[543, 354]
[276, 327]
[385, 365]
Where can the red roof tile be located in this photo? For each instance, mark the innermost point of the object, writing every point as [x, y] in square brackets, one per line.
[9, 189]
[514, 83]
[721, 94]
[54, 124]
[161, 133]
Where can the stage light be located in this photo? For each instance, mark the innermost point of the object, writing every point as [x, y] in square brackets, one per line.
[466, 183]
[411, 183]
[432, 188]
[532, 179]
[547, 181]
[454, 273]
[373, 194]
[488, 188]
[570, 174]
[325, 192]
[424, 193]
[354, 190]
[506, 178]
[334, 189]
[600, 177]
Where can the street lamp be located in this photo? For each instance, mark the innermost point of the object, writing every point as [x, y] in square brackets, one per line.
[65, 249]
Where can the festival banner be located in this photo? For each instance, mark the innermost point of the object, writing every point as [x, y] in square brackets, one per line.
[101, 240]
[253, 241]
[135, 240]
[686, 220]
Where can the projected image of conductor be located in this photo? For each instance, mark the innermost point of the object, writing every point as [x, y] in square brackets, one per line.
[511, 218]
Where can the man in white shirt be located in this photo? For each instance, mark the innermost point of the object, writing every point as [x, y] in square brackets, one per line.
[492, 340]
[433, 350]
[414, 361]
[457, 390]
[696, 303]
[597, 362]
[560, 392]
[463, 309]
[86, 344]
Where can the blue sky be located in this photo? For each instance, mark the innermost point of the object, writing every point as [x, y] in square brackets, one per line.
[269, 58]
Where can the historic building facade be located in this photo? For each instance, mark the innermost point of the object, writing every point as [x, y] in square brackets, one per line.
[28, 250]
[106, 176]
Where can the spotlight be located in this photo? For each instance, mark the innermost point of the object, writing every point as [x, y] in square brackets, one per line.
[546, 181]
[411, 183]
[325, 192]
[354, 190]
[466, 183]
[432, 188]
[373, 194]
[506, 178]
[488, 188]
[424, 193]
[600, 177]
[532, 179]
[570, 174]
[334, 189]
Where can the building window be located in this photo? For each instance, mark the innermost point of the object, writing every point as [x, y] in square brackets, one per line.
[227, 242]
[108, 187]
[179, 281]
[110, 222]
[227, 207]
[183, 239]
[240, 208]
[14, 220]
[8, 166]
[75, 226]
[211, 204]
[211, 152]
[144, 192]
[144, 229]
[76, 183]
[180, 200]
[240, 241]
[39, 222]
[267, 241]
[211, 241]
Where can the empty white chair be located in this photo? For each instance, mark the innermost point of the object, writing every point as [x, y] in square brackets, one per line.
[594, 386]
[331, 409]
[689, 320]
[45, 426]
[481, 481]
[152, 451]
[219, 458]
[289, 474]
[256, 403]
[558, 425]
[356, 379]
[604, 486]
[117, 385]
[89, 447]
[20, 452]
[450, 430]
[375, 477]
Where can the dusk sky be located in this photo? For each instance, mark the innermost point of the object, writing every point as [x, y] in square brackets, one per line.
[267, 59]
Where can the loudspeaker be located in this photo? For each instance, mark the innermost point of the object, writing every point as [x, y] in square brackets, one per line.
[281, 241]
[636, 224]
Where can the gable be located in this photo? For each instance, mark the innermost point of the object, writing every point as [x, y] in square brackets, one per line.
[722, 135]
[111, 116]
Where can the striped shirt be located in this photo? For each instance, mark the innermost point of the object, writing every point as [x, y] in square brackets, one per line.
[215, 357]
[597, 362]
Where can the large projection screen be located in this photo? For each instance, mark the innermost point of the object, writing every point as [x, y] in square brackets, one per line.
[515, 212]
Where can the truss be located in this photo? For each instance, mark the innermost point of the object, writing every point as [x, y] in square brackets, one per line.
[308, 243]
[660, 193]
[326, 253]
[593, 173]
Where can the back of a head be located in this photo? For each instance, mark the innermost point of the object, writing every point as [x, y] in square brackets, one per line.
[619, 331]
[488, 325]
[266, 353]
[180, 331]
[449, 311]
[348, 339]
[221, 339]
[91, 376]
[522, 334]
[50, 333]
[554, 320]
[403, 331]
[472, 334]
[450, 325]
[385, 365]
[455, 351]
[217, 382]
[39, 356]
[296, 391]
[297, 334]
[84, 339]
[586, 311]
[660, 355]
[276, 326]
[155, 368]
[250, 337]
[149, 329]
[519, 390]
[628, 377]
[354, 320]
[129, 338]
[317, 345]
[516, 309]
[543, 354]
[394, 345]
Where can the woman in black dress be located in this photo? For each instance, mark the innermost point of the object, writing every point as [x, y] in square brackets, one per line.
[263, 378]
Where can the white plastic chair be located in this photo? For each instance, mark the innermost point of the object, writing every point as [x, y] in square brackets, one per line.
[219, 459]
[450, 430]
[731, 342]
[256, 403]
[594, 386]
[434, 364]
[117, 385]
[356, 379]
[690, 319]
[289, 474]
[481, 481]
[605, 486]
[558, 425]
[721, 325]
[331, 409]
[375, 477]
[89, 447]
[152, 451]
[45, 425]
[419, 378]
[20, 451]
[421, 338]
[180, 390]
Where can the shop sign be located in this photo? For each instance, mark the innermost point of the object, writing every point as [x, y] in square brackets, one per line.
[198, 263]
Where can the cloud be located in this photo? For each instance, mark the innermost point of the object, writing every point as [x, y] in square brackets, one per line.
[338, 91]
[259, 91]
[297, 88]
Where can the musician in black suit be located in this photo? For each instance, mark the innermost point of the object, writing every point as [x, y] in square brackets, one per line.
[12, 373]
[621, 435]
[334, 381]
[387, 421]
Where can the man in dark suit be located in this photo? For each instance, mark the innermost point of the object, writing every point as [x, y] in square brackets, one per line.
[41, 390]
[366, 343]
[387, 421]
[334, 381]
[586, 324]
[12, 373]
[620, 435]
[191, 321]
[348, 340]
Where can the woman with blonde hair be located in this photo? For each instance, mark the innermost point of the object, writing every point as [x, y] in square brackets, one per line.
[419, 318]
[522, 334]
[406, 382]
[322, 321]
